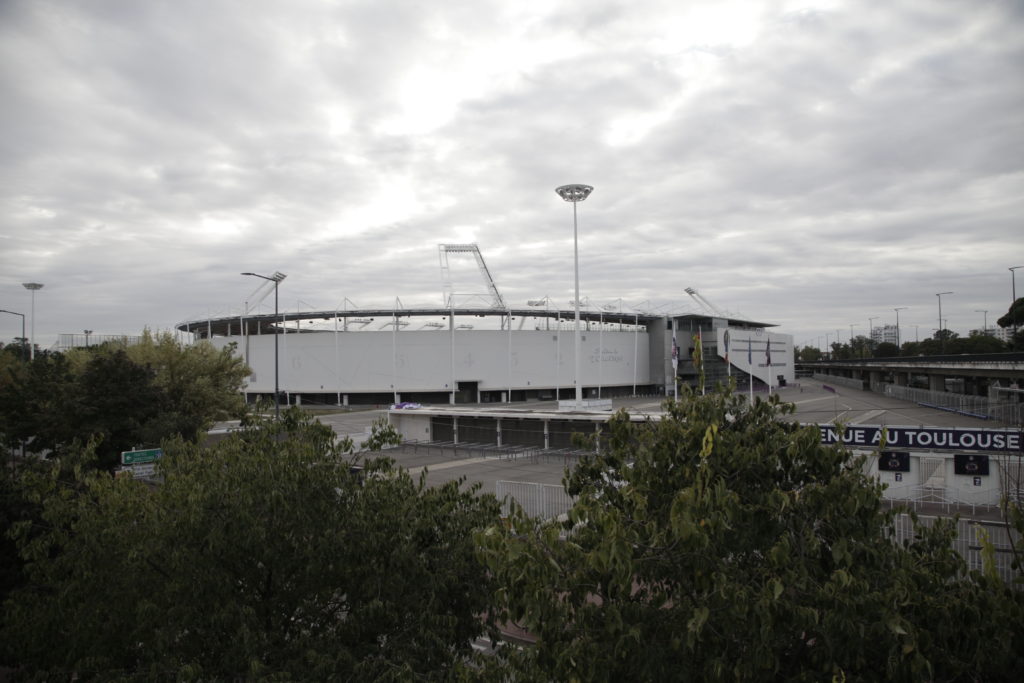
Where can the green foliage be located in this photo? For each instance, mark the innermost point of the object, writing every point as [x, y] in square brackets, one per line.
[122, 395]
[725, 542]
[886, 350]
[267, 556]
[1014, 316]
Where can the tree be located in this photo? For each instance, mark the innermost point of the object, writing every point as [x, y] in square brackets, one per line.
[270, 555]
[1014, 316]
[725, 542]
[886, 350]
[126, 395]
[201, 384]
[807, 354]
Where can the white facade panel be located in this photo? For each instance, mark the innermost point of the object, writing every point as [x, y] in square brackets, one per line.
[429, 360]
[748, 350]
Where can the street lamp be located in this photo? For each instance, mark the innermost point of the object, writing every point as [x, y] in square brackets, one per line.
[1013, 291]
[576, 193]
[276, 279]
[901, 308]
[871, 329]
[33, 287]
[984, 328]
[22, 330]
[942, 340]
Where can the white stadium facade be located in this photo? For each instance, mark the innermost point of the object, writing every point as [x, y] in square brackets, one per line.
[490, 353]
[375, 356]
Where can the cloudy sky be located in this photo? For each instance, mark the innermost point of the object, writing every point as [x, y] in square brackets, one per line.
[810, 163]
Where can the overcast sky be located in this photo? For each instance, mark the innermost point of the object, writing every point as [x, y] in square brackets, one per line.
[811, 164]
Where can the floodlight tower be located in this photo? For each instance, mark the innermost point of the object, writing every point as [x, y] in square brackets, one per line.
[32, 287]
[276, 279]
[576, 193]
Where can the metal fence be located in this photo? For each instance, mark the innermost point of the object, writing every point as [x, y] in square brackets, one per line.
[550, 501]
[546, 501]
[1007, 411]
[968, 541]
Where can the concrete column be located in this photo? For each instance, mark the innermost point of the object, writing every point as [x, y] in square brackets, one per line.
[901, 379]
[455, 429]
[497, 429]
[547, 435]
[936, 383]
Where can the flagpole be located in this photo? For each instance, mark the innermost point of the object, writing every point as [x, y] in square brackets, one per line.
[750, 366]
[728, 365]
[675, 362]
[768, 361]
[700, 343]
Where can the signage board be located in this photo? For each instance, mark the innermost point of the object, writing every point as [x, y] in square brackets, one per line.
[136, 457]
[927, 438]
[143, 471]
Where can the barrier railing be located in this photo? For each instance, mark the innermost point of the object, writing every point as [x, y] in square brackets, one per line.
[545, 501]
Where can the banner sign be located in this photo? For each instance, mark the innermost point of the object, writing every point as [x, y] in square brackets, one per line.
[929, 438]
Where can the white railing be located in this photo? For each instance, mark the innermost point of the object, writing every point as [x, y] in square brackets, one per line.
[546, 501]
[968, 541]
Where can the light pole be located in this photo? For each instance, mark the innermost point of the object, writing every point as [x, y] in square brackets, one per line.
[32, 287]
[871, 329]
[942, 340]
[22, 330]
[901, 308]
[1013, 292]
[576, 193]
[984, 327]
[276, 279]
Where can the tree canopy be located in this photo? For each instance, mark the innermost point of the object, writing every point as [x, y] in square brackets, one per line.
[121, 396]
[724, 542]
[276, 553]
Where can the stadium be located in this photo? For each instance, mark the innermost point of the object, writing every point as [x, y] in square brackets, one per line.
[477, 348]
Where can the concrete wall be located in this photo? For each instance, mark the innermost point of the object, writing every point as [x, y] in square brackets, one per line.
[421, 360]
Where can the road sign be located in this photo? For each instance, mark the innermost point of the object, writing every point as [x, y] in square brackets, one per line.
[136, 457]
[143, 471]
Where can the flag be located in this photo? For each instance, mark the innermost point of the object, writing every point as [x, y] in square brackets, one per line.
[675, 352]
[768, 352]
[750, 353]
[726, 339]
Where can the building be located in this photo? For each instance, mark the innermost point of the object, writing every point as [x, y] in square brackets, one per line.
[1003, 334]
[885, 334]
[483, 355]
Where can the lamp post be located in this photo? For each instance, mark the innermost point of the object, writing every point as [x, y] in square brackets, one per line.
[22, 330]
[942, 340]
[276, 279]
[984, 327]
[871, 329]
[576, 193]
[901, 308]
[1013, 291]
[32, 287]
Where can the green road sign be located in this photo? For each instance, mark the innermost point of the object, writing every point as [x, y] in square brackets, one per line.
[134, 457]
